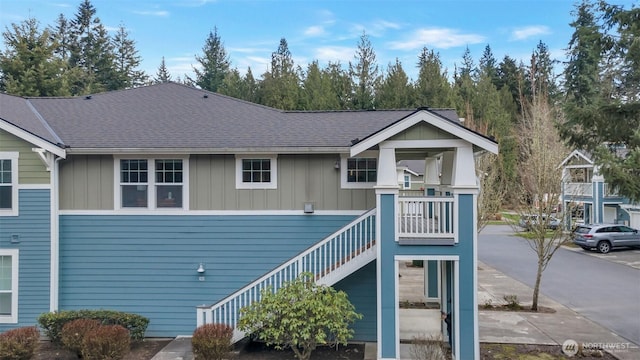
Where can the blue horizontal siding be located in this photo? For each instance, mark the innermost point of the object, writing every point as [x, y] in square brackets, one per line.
[33, 227]
[147, 264]
[361, 290]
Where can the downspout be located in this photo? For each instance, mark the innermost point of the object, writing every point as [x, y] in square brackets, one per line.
[55, 237]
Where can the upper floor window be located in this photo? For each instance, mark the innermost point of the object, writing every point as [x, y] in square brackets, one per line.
[359, 172]
[8, 183]
[407, 182]
[8, 286]
[256, 172]
[152, 183]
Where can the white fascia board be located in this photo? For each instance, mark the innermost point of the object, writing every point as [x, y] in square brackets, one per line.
[422, 115]
[192, 151]
[35, 140]
[575, 153]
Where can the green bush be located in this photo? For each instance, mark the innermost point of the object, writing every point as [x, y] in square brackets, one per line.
[73, 333]
[106, 342]
[53, 322]
[212, 341]
[19, 344]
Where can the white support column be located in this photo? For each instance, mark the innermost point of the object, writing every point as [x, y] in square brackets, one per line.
[387, 176]
[464, 169]
[431, 174]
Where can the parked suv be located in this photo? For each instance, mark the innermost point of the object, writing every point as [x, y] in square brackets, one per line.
[604, 237]
[527, 222]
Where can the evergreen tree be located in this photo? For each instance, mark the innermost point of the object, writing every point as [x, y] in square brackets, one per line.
[28, 66]
[341, 85]
[215, 63]
[364, 74]
[91, 52]
[432, 87]
[317, 93]
[510, 76]
[60, 34]
[162, 75]
[602, 106]
[488, 65]
[394, 90]
[251, 87]
[464, 86]
[541, 73]
[280, 86]
[127, 61]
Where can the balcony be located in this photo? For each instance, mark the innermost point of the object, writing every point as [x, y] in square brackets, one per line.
[425, 220]
[578, 189]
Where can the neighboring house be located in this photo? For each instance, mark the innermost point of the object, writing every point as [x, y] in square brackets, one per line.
[180, 204]
[411, 175]
[589, 199]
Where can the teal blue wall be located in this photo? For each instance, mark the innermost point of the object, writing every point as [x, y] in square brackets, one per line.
[33, 226]
[463, 249]
[361, 289]
[147, 264]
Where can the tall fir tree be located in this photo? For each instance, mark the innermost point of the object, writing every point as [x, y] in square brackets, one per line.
[28, 66]
[162, 75]
[214, 63]
[364, 75]
[394, 91]
[280, 86]
[316, 92]
[432, 87]
[127, 62]
[341, 85]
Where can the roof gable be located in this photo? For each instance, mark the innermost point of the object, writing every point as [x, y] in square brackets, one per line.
[576, 157]
[425, 122]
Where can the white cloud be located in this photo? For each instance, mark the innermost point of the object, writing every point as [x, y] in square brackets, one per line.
[529, 31]
[334, 53]
[443, 38]
[158, 13]
[316, 30]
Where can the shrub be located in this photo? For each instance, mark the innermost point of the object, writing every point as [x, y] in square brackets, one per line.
[428, 348]
[301, 315]
[212, 341]
[106, 342]
[53, 322]
[73, 333]
[19, 344]
[513, 302]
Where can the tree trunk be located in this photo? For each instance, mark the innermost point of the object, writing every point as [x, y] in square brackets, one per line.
[536, 288]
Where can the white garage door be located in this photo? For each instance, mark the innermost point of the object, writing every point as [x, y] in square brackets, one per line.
[634, 219]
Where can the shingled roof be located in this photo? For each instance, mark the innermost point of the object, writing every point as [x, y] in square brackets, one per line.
[174, 116]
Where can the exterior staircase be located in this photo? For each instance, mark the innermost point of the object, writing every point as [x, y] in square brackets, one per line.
[331, 260]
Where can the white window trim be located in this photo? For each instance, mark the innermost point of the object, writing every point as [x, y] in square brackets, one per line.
[15, 267]
[406, 176]
[343, 172]
[273, 184]
[151, 183]
[13, 156]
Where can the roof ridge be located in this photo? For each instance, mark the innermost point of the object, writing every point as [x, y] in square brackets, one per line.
[44, 122]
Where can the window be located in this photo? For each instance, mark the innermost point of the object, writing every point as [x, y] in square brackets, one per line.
[9, 183]
[8, 286]
[256, 172]
[152, 183]
[407, 182]
[359, 173]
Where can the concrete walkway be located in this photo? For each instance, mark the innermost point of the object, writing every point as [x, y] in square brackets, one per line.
[495, 326]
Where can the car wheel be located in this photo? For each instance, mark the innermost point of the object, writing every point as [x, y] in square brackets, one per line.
[604, 247]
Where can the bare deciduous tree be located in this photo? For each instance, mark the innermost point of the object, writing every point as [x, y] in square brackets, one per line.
[492, 192]
[540, 187]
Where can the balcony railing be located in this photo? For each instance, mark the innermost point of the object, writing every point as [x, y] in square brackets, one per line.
[578, 189]
[422, 217]
[609, 190]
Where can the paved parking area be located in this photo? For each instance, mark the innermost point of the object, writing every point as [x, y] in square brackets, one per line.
[628, 257]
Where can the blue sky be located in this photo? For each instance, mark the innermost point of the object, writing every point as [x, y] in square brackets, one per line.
[327, 30]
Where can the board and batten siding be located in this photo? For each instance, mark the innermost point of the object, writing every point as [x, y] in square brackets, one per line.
[423, 131]
[147, 264]
[31, 169]
[33, 230]
[86, 183]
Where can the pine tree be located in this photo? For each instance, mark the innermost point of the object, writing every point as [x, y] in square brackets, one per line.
[280, 86]
[91, 55]
[341, 85]
[394, 90]
[316, 92]
[364, 74]
[162, 75]
[215, 63]
[28, 66]
[127, 61]
[432, 87]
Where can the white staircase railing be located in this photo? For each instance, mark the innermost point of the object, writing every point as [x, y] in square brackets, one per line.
[331, 260]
